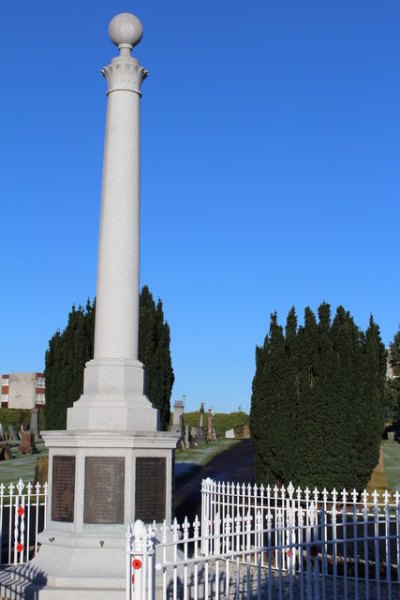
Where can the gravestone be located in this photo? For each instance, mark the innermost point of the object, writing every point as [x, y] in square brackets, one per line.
[201, 423]
[5, 451]
[177, 417]
[34, 426]
[211, 435]
[198, 435]
[12, 434]
[27, 444]
[187, 437]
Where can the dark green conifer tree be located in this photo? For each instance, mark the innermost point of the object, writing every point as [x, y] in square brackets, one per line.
[69, 351]
[308, 461]
[326, 394]
[268, 403]
[317, 403]
[347, 386]
[257, 418]
[392, 392]
[154, 353]
[370, 417]
[293, 410]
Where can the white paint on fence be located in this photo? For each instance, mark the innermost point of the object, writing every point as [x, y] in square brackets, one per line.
[272, 543]
[22, 518]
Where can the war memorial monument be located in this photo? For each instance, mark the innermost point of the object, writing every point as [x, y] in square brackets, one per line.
[111, 465]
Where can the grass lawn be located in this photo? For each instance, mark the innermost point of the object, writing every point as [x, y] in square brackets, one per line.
[189, 460]
[23, 466]
[391, 460]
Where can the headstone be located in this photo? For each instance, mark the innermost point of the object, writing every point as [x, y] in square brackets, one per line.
[230, 434]
[34, 426]
[198, 435]
[27, 443]
[201, 420]
[12, 433]
[391, 436]
[187, 437]
[5, 451]
[177, 417]
[211, 435]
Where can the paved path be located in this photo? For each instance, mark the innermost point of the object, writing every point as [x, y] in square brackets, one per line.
[235, 464]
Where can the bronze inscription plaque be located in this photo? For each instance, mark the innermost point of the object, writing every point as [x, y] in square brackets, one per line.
[104, 489]
[63, 489]
[150, 501]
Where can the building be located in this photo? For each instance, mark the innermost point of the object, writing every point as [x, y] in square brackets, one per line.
[22, 390]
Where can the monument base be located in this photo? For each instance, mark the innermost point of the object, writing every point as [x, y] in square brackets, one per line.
[113, 398]
[99, 483]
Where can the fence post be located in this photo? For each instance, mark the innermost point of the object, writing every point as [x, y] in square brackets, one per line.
[140, 566]
[206, 492]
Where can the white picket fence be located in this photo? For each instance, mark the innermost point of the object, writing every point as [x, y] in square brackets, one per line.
[22, 517]
[236, 499]
[290, 546]
[252, 542]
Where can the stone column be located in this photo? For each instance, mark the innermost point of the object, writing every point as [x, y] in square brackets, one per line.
[117, 331]
[113, 395]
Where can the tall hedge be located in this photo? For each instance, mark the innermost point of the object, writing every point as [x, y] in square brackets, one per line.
[318, 401]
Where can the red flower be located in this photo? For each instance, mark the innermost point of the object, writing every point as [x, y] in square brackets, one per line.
[136, 564]
[314, 551]
[20, 547]
[20, 510]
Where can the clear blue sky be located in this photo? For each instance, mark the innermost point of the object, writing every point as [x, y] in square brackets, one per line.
[270, 171]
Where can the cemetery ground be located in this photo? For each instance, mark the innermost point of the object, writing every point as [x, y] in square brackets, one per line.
[187, 462]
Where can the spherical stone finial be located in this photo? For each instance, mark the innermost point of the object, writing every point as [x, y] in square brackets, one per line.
[125, 29]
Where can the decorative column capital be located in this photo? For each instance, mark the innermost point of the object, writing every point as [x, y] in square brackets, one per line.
[125, 73]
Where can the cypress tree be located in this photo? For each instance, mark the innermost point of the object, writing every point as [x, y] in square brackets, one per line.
[293, 409]
[392, 393]
[69, 351]
[317, 402]
[371, 417]
[154, 353]
[347, 385]
[53, 374]
[326, 394]
[309, 425]
[257, 412]
[268, 405]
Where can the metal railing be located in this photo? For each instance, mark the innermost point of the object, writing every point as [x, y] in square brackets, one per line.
[22, 517]
[305, 549]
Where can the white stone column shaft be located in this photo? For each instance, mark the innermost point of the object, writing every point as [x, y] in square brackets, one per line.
[117, 302]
